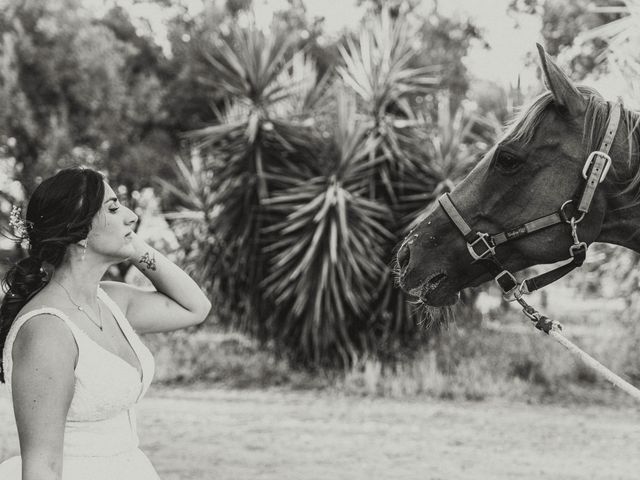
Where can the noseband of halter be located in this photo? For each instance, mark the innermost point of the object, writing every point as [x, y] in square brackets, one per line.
[482, 245]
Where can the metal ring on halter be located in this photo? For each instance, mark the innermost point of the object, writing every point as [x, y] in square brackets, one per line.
[573, 249]
[568, 219]
[516, 293]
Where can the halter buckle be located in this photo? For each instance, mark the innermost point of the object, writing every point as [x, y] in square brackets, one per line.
[490, 249]
[590, 158]
[511, 290]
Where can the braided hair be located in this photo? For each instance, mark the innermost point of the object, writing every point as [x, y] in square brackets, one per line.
[60, 213]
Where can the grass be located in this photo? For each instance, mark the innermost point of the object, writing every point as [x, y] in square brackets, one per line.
[491, 402]
[204, 433]
[505, 357]
[223, 359]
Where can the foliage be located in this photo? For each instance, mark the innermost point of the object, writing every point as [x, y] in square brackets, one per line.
[305, 163]
[264, 124]
[313, 180]
[622, 37]
[563, 23]
[74, 91]
[326, 250]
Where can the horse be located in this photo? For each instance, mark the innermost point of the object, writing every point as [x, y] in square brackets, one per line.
[564, 174]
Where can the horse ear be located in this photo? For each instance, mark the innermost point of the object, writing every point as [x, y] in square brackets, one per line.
[564, 91]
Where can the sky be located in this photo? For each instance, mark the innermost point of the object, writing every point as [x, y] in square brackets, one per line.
[510, 39]
[502, 63]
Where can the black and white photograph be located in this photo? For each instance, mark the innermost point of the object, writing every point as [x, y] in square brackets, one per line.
[319, 239]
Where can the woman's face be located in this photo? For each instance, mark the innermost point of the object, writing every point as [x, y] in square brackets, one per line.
[112, 229]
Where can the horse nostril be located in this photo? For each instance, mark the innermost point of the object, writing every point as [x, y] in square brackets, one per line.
[403, 257]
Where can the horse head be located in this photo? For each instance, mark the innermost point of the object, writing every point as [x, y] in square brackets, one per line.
[537, 170]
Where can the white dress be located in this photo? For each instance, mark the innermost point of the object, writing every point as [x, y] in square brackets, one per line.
[100, 438]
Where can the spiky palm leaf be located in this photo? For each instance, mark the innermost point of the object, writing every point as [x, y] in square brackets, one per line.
[453, 147]
[262, 137]
[380, 68]
[326, 253]
[273, 93]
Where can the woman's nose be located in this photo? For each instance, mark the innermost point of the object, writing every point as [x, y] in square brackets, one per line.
[132, 217]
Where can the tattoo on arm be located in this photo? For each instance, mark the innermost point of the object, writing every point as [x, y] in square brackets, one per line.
[148, 260]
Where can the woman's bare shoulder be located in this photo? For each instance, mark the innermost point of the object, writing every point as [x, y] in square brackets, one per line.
[44, 334]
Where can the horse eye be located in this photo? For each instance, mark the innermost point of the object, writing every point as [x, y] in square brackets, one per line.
[508, 162]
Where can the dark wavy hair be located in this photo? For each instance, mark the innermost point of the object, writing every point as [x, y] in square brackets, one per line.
[59, 214]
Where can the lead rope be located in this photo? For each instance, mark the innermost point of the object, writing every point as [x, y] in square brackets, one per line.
[553, 329]
[598, 163]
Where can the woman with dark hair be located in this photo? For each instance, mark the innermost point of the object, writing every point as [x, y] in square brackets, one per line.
[71, 357]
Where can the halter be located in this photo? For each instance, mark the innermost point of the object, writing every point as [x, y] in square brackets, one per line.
[482, 245]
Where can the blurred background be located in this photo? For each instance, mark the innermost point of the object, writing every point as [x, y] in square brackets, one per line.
[278, 150]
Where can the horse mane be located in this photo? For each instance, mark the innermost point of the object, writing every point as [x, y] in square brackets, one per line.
[523, 126]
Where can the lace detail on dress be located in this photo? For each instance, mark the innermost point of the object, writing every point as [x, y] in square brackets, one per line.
[100, 438]
[106, 385]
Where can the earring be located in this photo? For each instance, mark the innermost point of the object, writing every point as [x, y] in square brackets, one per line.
[84, 250]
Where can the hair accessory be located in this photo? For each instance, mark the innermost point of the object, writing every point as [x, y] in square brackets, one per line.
[20, 226]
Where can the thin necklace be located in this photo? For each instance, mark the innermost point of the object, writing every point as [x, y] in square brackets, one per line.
[79, 307]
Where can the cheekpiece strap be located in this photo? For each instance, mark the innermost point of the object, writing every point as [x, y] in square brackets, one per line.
[599, 161]
[612, 128]
[482, 245]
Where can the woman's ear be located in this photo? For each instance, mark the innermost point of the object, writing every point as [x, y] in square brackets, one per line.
[565, 94]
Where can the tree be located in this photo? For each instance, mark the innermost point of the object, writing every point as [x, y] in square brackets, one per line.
[564, 21]
[313, 180]
[78, 90]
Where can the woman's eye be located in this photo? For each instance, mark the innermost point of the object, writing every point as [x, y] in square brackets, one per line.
[508, 162]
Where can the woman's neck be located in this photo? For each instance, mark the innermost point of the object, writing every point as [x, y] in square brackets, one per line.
[80, 280]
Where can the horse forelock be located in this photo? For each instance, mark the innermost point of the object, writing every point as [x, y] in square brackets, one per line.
[522, 127]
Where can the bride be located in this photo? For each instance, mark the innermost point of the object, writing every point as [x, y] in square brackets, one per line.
[71, 356]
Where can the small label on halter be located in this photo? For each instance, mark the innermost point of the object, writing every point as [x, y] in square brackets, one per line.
[516, 232]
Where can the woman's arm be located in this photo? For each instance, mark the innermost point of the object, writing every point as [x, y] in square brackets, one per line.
[44, 357]
[177, 302]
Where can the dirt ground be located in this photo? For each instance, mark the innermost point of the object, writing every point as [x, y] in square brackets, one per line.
[269, 435]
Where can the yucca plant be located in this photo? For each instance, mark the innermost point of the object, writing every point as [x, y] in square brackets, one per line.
[264, 134]
[380, 65]
[191, 189]
[454, 141]
[326, 253]
[380, 69]
[310, 184]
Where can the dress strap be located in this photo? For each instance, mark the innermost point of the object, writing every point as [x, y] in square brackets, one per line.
[7, 362]
[117, 312]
